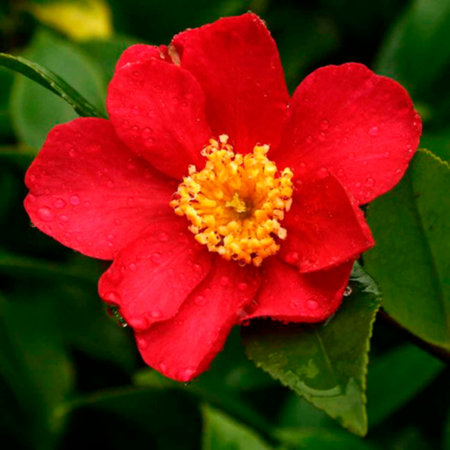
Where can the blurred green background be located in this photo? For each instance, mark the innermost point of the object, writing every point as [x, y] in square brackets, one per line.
[70, 376]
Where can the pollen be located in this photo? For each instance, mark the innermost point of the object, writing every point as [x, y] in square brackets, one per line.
[236, 203]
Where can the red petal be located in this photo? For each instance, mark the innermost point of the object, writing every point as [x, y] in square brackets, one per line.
[182, 348]
[140, 52]
[288, 295]
[88, 191]
[151, 277]
[237, 64]
[158, 110]
[360, 126]
[324, 227]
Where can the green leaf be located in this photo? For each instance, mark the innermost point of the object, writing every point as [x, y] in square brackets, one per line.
[325, 363]
[319, 439]
[150, 413]
[34, 364]
[447, 434]
[107, 52]
[211, 392]
[388, 389]
[413, 54]
[438, 143]
[411, 226]
[34, 111]
[221, 432]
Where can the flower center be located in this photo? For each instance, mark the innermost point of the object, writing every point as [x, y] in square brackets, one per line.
[235, 204]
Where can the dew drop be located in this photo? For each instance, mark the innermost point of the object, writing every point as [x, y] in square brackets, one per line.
[156, 258]
[243, 286]
[186, 374]
[197, 268]
[200, 300]
[374, 131]
[163, 237]
[138, 323]
[325, 124]
[312, 304]
[112, 297]
[59, 203]
[64, 218]
[224, 281]
[45, 214]
[309, 139]
[348, 291]
[142, 342]
[32, 198]
[74, 200]
[370, 182]
[110, 184]
[322, 173]
[156, 313]
[162, 367]
[292, 257]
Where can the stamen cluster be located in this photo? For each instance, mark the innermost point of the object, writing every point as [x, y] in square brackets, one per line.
[236, 203]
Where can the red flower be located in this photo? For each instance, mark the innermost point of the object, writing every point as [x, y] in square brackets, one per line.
[289, 218]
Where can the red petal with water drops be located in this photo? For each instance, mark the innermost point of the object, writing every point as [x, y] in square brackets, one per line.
[91, 193]
[360, 126]
[183, 347]
[288, 295]
[324, 226]
[158, 110]
[151, 277]
[140, 52]
[237, 64]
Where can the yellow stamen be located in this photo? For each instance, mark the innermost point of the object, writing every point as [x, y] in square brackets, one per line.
[236, 203]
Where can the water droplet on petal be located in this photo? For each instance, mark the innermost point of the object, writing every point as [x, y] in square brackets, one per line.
[163, 237]
[45, 214]
[110, 237]
[142, 342]
[64, 218]
[312, 304]
[110, 184]
[162, 367]
[138, 323]
[292, 258]
[156, 313]
[156, 258]
[186, 374]
[200, 300]
[370, 182]
[224, 281]
[132, 266]
[32, 198]
[74, 200]
[243, 286]
[59, 203]
[325, 124]
[322, 173]
[374, 131]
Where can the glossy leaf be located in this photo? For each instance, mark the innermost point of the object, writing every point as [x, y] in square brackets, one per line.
[397, 377]
[34, 111]
[325, 363]
[221, 432]
[411, 226]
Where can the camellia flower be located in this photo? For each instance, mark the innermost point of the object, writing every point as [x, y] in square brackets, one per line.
[219, 197]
